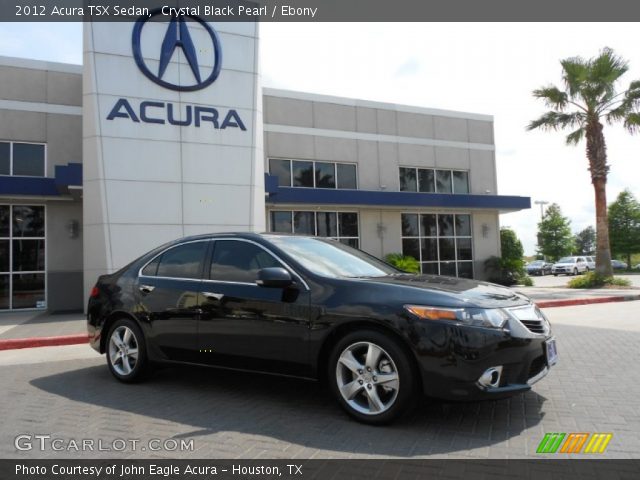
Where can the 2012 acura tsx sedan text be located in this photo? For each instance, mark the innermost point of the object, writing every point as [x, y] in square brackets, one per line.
[315, 308]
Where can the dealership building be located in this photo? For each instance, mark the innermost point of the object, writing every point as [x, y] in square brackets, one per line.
[166, 131]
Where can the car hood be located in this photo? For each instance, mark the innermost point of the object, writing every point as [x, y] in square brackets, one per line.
[458, 292]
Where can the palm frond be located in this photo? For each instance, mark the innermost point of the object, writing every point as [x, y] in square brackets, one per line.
[574, 137]
[632, 122]
[553, 97]
[555, 120]
[575, 72]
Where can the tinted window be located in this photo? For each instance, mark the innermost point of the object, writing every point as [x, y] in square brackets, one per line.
[28, 290]
[348, 224]
[409, 225]
[236, 261]
[408, 180]
[425, 180]
[302, 174]
[281, 222]
[28, 255]
[429, 228]
[443, 181]
[327, 224]
[325, 175]
[5, 150]
[4, 220]
[151, 270]
[303, 223]
[347, 176]
[463, 225]
[28, 221]
[282, 169]
[445, 225]
[460, 182]
[183, 261]
[28, 159]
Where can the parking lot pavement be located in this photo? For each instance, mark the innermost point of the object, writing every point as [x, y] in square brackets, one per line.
[562, 280]
[594, 388]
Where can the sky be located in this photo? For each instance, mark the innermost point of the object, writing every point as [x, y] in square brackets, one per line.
[472, 67]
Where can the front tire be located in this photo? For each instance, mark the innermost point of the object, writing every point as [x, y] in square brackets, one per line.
[126, 351]
[371, 377]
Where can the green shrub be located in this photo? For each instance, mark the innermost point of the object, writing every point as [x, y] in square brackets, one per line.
[595, 280]
[527, 281]
[403, 262]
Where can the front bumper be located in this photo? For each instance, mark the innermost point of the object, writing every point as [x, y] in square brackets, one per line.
[452, 358]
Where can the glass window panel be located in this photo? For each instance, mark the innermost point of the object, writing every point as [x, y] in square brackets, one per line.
[448, 269]
[184, 261]
[327, 224]
[429, 228]
[281, 168]
[443, 181]
[408, 180]
[426, 180]
[235, 261]
[429, 249]
[28, 159]
[28, 221]
[5, 160]
[464, 248]
[430, 268]
[304, 223]
[447, 249]
[465, 269]
[348, 224]
[5, 216]
[151, 270]
[411, 247]
[4, 255]
[281, 222]
[28, 290]
[347, 177]
[445, 225]
[325, 175]
[409, 225]
[4, 292]
[302, 174]
[352, 242]
[28, 255]
[463, 225]
[460, 182]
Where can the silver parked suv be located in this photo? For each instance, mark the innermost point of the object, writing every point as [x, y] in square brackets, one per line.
[570, 266]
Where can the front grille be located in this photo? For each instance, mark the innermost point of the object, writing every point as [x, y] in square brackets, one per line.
[535, 326]
[537, 366]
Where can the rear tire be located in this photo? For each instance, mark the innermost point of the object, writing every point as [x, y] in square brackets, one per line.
[575, 272]
[371, 377]
[126, 351]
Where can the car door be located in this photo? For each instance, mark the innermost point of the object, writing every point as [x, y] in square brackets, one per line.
[247, 326]
[168, 289]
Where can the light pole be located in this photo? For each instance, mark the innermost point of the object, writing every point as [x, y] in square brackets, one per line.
[542, 203]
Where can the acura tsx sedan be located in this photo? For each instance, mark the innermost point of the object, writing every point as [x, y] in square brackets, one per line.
[315, 308]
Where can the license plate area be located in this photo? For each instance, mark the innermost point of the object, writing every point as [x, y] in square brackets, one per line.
[551, 352]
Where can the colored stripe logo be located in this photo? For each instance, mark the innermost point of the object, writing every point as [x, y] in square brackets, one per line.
[574, 442]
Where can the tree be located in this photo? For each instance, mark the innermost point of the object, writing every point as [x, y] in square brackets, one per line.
[554, 234]
[589, 98]
[585, 241]
[509, 268]
[624, 225]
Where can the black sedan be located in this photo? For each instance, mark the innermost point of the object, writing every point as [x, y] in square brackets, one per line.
[318, 309]
[539, 267]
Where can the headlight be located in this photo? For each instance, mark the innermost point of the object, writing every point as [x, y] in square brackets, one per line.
[479, 317]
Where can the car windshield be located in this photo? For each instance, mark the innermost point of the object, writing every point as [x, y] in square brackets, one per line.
[537, 263]
[566, 260]
[330, 258]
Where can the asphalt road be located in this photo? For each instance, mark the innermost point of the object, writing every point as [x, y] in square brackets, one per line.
[68, 393]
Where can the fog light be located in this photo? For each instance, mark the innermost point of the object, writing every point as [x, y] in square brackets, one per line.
[490, 377]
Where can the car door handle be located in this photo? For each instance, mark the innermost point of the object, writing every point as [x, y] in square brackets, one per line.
[213, 296]
[146, 288]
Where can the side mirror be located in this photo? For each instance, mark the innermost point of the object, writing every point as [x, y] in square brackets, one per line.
[274, 277]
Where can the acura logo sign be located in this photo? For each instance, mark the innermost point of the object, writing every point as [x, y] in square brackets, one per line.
[177, 36]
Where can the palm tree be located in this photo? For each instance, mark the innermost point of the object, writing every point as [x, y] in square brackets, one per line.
[589, 98]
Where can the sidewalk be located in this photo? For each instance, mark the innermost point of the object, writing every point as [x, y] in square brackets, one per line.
[30, 329]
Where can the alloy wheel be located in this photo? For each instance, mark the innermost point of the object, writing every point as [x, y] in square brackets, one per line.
[367, 378]
[123, 350]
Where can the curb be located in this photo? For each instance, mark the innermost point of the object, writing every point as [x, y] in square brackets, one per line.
[17, 343]
[568, 302]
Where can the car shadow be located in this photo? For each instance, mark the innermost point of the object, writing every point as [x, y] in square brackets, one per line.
[294, 411]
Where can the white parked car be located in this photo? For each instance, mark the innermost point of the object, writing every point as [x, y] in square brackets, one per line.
[570, 266]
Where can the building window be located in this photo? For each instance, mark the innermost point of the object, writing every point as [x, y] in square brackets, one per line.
[341, 226]
[442, 243]
[22, 256]
[430, 180]
[22, 159]
[312, 174]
